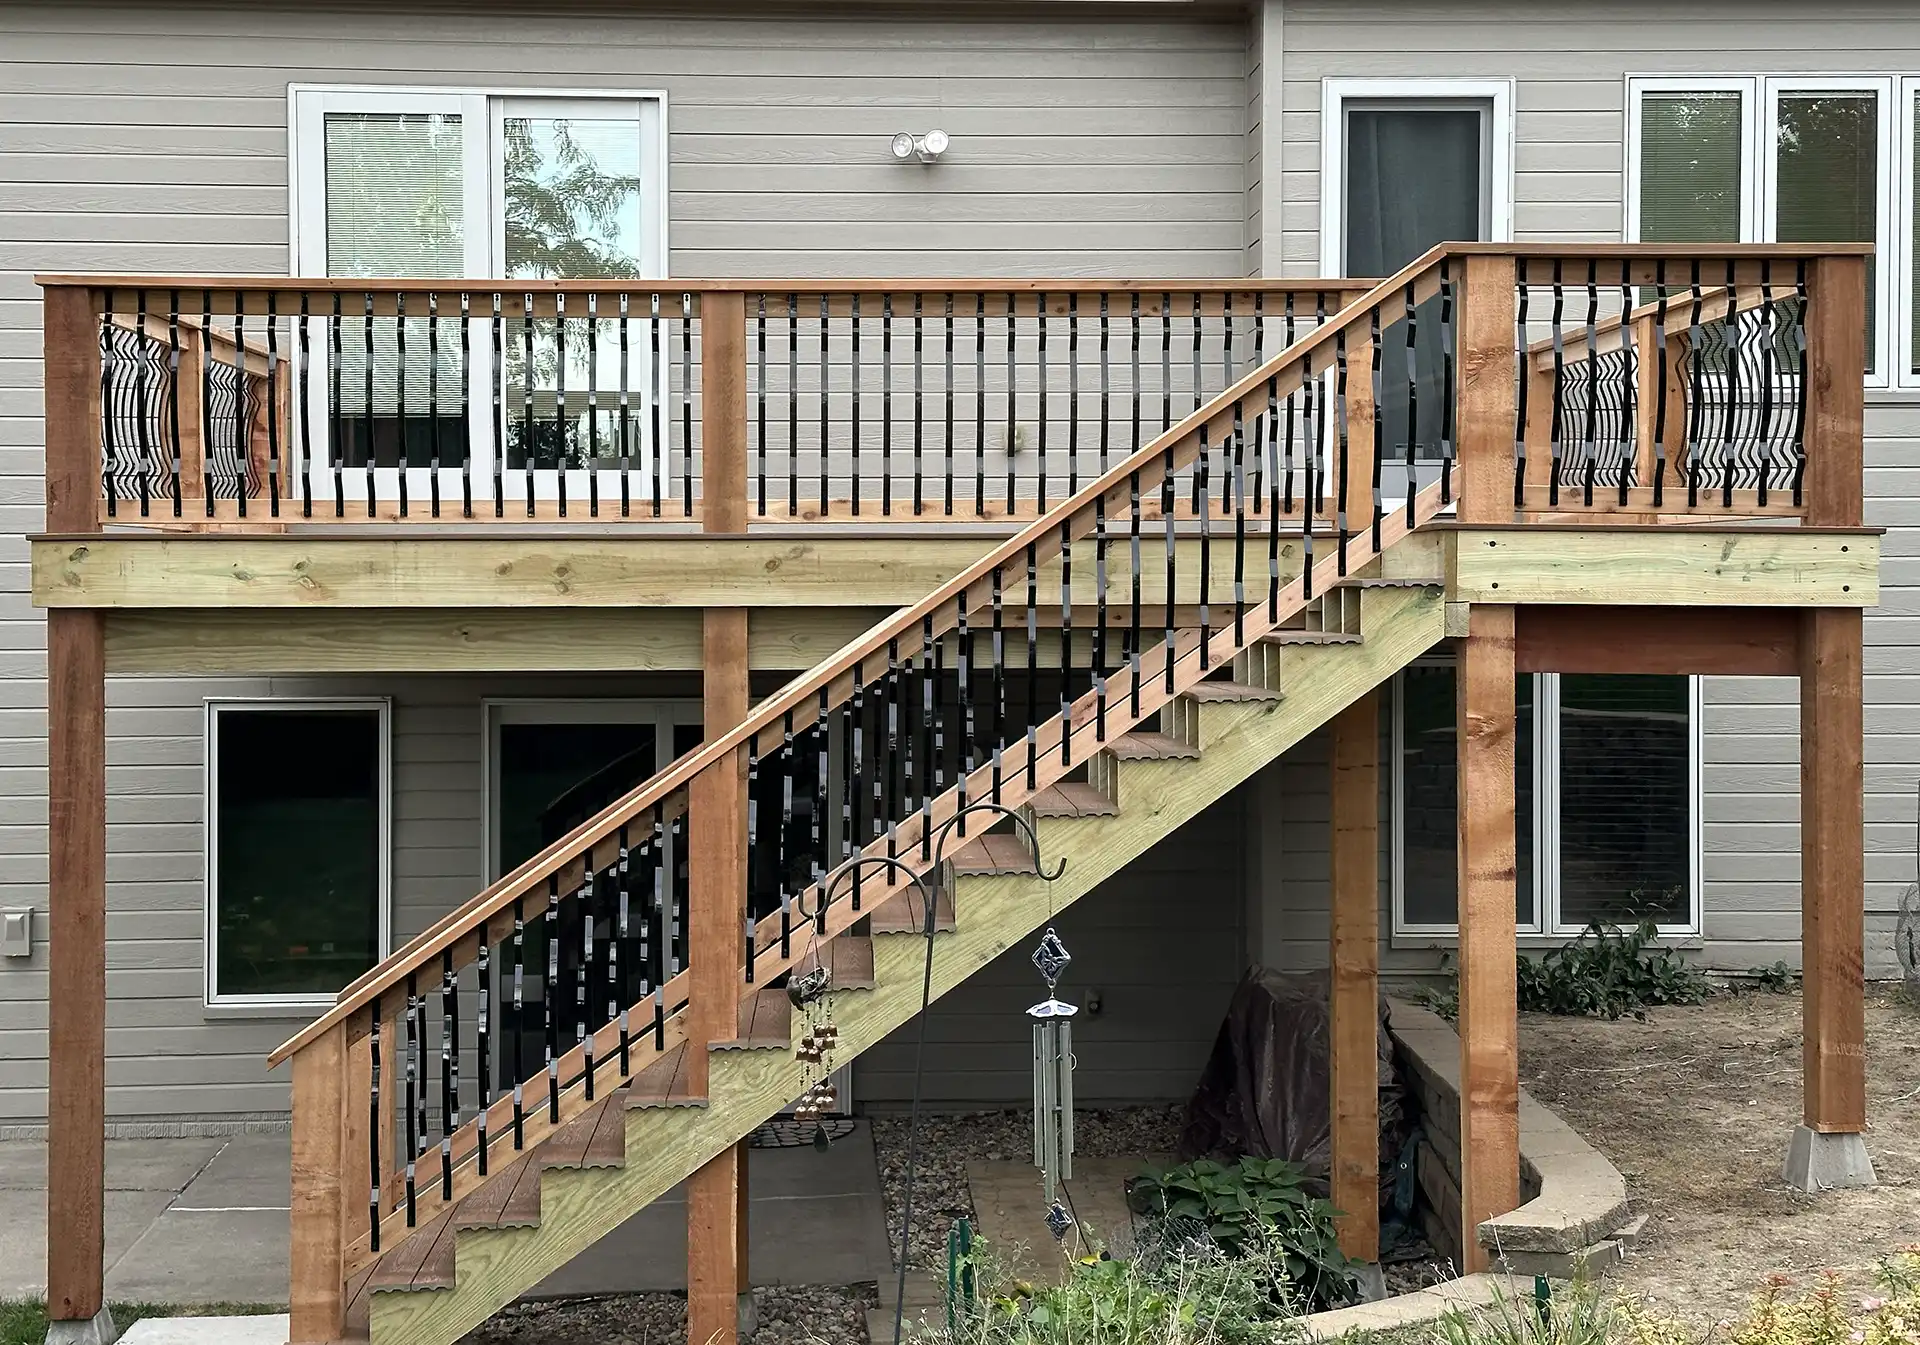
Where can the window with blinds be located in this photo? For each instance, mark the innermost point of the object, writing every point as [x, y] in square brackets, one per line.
[1690, 155]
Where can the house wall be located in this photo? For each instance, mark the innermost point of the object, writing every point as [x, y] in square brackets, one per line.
[1570, 65]
[154, 138]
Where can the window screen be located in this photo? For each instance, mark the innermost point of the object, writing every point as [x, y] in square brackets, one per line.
[1690, 167]
[296, 818]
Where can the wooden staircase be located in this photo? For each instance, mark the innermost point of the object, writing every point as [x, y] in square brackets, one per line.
[628, 1149]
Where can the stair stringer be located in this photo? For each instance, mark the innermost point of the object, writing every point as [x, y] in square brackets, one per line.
[992, 913]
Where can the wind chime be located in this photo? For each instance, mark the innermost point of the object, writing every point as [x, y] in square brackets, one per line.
[807, 990]
[1053, 1083]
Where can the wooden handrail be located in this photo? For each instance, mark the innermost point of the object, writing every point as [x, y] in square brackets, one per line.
[226, 284]
[1042, 535]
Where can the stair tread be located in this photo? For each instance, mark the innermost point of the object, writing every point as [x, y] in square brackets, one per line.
[907, 913]
[995, 853]
[509, 1198]
[664, 1083]
[848, 959]
[765, 1019]
[571, 1146]
[1072, 798]
[420, 1262]
[1399, 581]
[1231, 691]
[1310, 637]
[1139, 746]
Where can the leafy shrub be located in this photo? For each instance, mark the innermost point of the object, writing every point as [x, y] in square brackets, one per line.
[1605, 973]
[1255, 1203]
[1183, 1293]
[1775, 978]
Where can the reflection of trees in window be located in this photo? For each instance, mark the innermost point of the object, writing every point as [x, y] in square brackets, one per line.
[569, 215]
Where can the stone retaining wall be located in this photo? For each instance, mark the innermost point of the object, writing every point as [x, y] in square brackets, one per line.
[1574, 1217]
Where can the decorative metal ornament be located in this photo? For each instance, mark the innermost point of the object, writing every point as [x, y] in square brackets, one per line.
[804, 987]
[1059, 1222]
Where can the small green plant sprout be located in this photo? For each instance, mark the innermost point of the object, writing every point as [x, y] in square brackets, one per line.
[1775, 978]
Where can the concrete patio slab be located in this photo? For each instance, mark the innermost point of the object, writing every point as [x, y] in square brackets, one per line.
[271, 1329]
[23, 1234]
[251, 1172]
[132, 1165]
[188, 1256]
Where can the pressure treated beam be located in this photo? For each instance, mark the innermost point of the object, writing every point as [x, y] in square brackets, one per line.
[1489, 1027]
[1674, 566]
[1716, 641]
[1355, 959]
[691, 571]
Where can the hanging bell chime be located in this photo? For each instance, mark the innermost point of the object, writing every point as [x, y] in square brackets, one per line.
[1053, 1083]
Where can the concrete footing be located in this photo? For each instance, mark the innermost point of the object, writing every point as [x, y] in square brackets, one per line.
[1373, 1282]
[99, 1330]
[1817, 1161]
[748, 1319]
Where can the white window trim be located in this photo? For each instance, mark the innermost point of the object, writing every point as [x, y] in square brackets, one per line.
[1546, 924]
[480, 109]
[1334, 96]
[382, 707]
[1904, 266]
[1759, 141]
[495, 711]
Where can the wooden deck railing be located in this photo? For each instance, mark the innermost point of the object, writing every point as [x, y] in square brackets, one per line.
[708, 877]
[488, 400]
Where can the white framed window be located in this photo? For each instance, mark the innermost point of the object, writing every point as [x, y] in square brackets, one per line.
[504, 184]
[1780, 158]
[1408, 163]
[1607, 795]
[299, 872]
[551, 764]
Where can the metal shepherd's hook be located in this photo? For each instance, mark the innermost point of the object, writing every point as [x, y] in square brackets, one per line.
[929, 897]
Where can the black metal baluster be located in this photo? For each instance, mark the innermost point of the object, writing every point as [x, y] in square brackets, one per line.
[1524, 378]
[686, 405]
[626, 409]
[1413, 412]
[947, 392]
[826, 337]
[1377, 431]
[303, 363]
[1287, 485]
[526, 399]
[1341, 410]
[999, 680]
[483, 1040]
[617, 960]
[274, 412]
[1133, 342]
[1240, 525]
[1557, 433]
[1203, 504]
[1801, 385]
[1631, 356]
[1273, 493]
[1066, 643]
[1100, 618]
[563, 432]
[853, 780]
[1728, 451]
[1033, 664]
[401, 456]
[433, 405]
[413, 1087]
[590, 450]
[1262, 421]
[793, 406]
[1073, 393]
[1662, 358]
[583, 974]
[822, 793]
[1591, 429]
[373, 1110]
[1106, 380]
[1133, 621]
[551, 1021]
[781, 862]
[963, 678]
[1446, 383]
[449, 1073]
[206, 399]
[1040, 391]
[1010, 443]
[753, 837]
[1697, 403]
[929, 737]
[886, 789]
[519, 1023]
[243, 411]
[1310, 437]
[498, 354]
[660, 464]
[1166, 516]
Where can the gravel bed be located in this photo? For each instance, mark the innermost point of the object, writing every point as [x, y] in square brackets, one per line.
[789, 1315]
[948, 1141]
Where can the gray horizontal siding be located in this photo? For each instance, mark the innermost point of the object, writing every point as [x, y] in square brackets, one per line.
[1162, 942]
[1570, 67]
[138, 138]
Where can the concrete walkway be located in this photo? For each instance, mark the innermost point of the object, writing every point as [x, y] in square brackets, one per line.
[206, 1221]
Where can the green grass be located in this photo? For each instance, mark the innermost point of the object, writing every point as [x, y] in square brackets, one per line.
[23, 1321]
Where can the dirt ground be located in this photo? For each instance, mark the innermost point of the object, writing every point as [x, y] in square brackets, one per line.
[1695, 1106]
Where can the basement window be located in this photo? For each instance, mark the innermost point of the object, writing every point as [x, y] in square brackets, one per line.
[298, 869]
[1606, 795]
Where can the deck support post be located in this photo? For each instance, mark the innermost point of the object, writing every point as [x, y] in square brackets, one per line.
[77, 847]
[1828, 1149]
[1489, 1024]
[1355, 958]
[719, 1304]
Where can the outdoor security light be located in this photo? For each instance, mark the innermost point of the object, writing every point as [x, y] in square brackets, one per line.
[926, 147]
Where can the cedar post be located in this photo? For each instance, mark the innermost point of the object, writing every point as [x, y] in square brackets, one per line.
[1356, 486]
[76, 834]
[1828, 1149]
[322, 1123]
[1355, 957]
[1489, 1026]
[717, 804]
